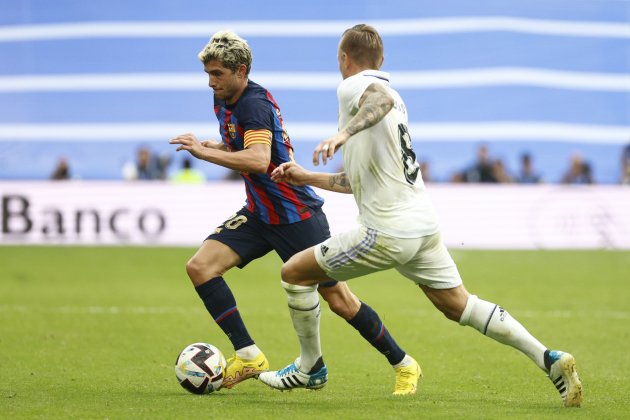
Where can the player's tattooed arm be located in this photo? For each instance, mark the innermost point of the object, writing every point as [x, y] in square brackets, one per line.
[339, 182]
[374, 104]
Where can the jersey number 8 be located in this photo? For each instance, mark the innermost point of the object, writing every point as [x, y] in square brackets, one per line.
[407, 154]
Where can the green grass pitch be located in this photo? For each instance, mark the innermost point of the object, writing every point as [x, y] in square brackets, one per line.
[93, 332]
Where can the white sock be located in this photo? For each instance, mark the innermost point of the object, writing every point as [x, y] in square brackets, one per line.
[406, 361]
[249, 352]
[495, 322]
[304, 310]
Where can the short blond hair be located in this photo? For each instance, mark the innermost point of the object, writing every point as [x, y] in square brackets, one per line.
[229, 49]
[364, 45]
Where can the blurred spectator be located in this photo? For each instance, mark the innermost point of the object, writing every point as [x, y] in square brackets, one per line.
[425, 170]
[187, 174]
[62, 170]
[579, 172]
[233, 176]
[162, 163]
[527, 174]
[625, 165]
[500, 173]
[481, 171]
[147, 166]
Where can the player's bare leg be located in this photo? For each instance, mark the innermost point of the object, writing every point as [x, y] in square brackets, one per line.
[341, 300]
[212, 259]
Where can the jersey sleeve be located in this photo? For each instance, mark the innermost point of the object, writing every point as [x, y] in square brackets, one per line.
[349, 94]
[256, 120]
[256, 114]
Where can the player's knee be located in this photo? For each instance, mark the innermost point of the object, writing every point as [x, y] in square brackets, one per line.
[199, 271]
[193, 269]
[288, 272]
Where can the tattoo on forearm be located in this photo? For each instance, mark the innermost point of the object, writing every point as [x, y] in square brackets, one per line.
[375, 106]
[340, 180]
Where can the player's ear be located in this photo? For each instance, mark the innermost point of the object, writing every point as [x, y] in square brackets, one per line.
[343, 60]
[241, 71]
[343, 57]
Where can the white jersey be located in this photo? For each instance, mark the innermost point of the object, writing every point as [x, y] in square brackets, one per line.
[382, 167]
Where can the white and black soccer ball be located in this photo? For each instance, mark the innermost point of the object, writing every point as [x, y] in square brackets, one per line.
[200, 368]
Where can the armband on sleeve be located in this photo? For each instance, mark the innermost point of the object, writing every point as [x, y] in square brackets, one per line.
[257, 136]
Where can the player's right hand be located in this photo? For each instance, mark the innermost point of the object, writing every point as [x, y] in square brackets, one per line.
[289, 172]
[190, 143]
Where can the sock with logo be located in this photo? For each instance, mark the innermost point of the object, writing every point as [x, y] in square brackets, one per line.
[220, 302]
[495, 322]
[370, 326]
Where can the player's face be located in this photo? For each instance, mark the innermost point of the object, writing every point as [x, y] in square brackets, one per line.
[225, 83]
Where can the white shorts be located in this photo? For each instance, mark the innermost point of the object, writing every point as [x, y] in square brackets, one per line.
[364, 250]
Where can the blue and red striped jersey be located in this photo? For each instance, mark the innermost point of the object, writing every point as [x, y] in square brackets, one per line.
[274, 203]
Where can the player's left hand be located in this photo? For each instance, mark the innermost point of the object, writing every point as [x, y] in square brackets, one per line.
[190, 143]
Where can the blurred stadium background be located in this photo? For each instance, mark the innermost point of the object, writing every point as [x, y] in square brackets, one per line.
[92, 331]
[93, 83]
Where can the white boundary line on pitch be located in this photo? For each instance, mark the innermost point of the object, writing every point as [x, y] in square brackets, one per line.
[311, 131]
[311, 28]
[168, 310]
[302, 81]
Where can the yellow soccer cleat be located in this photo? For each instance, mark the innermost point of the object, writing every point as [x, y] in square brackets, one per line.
[239, 369]
[407, 378]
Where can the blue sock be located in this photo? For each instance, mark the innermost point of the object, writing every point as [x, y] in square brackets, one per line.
[369, 325]
[220, 302]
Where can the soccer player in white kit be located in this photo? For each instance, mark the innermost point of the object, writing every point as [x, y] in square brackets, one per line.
[398, 229]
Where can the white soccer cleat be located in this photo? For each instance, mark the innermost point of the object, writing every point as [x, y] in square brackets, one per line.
[564, 376]
[291, 377]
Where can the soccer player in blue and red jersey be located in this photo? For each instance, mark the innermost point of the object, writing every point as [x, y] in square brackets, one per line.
[277, 216]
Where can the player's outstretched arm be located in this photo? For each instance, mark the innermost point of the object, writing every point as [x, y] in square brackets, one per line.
[374, 104]
[292, 173]
[196, 148]
[213, 144]
[254, 158]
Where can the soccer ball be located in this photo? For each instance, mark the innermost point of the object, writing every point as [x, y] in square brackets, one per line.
[200, 368]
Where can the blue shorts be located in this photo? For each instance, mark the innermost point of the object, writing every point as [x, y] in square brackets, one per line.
[251, 239]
